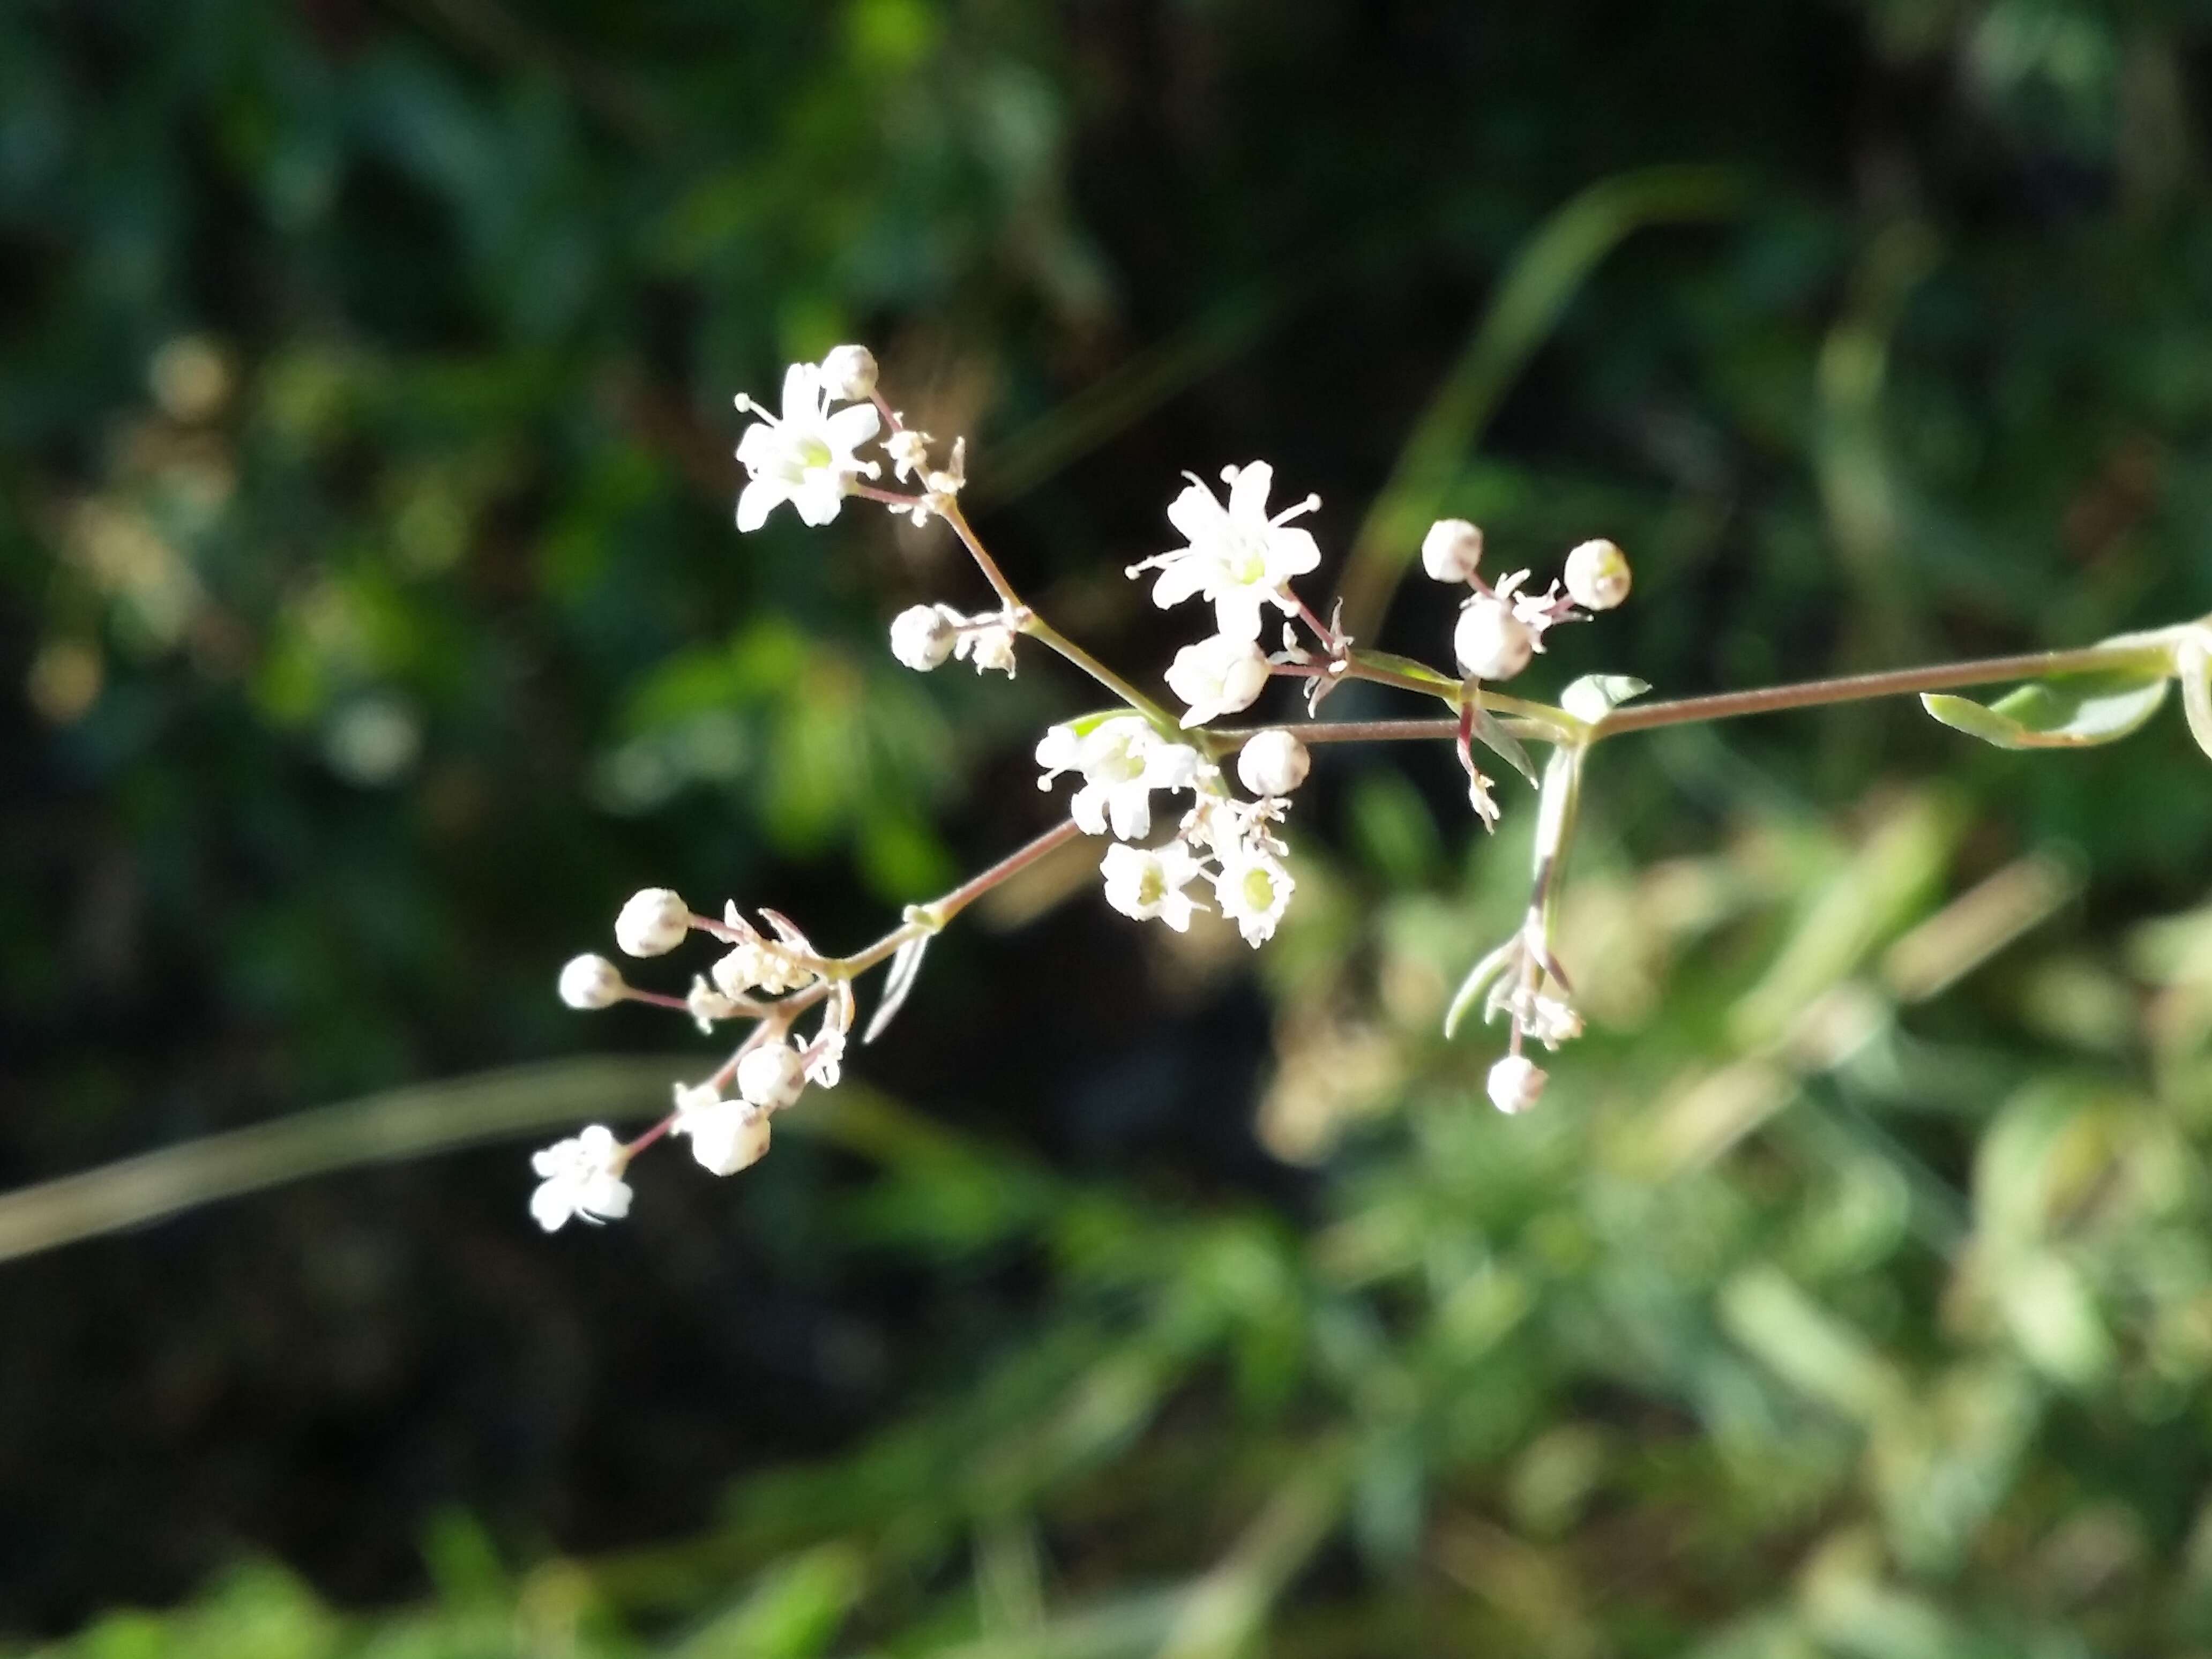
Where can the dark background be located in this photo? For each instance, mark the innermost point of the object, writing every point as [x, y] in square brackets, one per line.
[374, 624]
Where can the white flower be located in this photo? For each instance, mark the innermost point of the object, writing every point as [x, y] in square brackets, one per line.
[849, 373]
[1143, 884]
[758, 964]
[592, 982]
[1491, 641]
[1123, 760]
[1597, 576]
[652, 923]
[772, 1075]
[1516, 1083]
[805, 455]
[1451, 550]
[910, 452]
[923, 636]
[1253, 890]
[1273, 764]
[706, 1005]
[991, 646]
[581, 1176]
[726, 1135]
[1217, 677]
[1236, 557]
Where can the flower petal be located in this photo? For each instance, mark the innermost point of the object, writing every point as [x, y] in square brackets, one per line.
[1247, 493]
[851, 426]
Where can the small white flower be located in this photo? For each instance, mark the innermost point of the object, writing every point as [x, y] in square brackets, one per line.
[910, 452]
[592, 982]
[1142, 884]
[849, 373]
[1217, 676]
[706, 1005]
[1237, 557]
[1123, 760]
[1597, 576]
[923, 636]
[652, 923]
[772, 1075]
[805, 455]
[1491, 641]
[581, 1176]
[1451, 550]
[726, 1135]
[1516, 1083]
[1273, 764]
[990, 646]
[759, 965]
[1253, 890]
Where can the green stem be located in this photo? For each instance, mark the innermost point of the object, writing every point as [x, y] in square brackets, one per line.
[2151, 651]
[932, 917]
[1037, 628]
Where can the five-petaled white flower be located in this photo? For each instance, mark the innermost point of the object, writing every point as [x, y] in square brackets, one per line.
[1217, 676]
[1236, 557]
[1142, 883]
[1123, 760]
[1253, 890]
[581, 1176]
[805, 456]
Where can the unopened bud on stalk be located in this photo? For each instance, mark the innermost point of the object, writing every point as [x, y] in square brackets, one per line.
[1597, 576]
[772, 1076]
[922, 636]
[652, 923]
[1491, 642]
[592, 982]
[1451, 550]
[1516, 1083]
[849, 373]
[1273, 764]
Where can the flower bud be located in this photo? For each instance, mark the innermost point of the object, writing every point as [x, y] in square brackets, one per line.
[1597, 576]
[652, 923]
[592, 982]
[849, 373]
[1217, 676]
[728, 1138]
[922, 636]
[1451, 549]
[1516, 1083]
[772, 1076]
[1491, 642]
[1273, 764]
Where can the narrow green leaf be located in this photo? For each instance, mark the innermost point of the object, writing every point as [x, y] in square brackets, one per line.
[1411, 668]
[1488, 731]
[1478, 982]
[2074, 713]
[2193, 665]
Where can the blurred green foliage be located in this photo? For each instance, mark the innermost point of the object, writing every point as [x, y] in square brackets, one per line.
[365, 565]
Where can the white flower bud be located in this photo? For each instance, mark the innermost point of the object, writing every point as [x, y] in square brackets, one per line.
[728, 1137]
[772, 1076]
[1597, 576]
[1491, 641]
[849, 373]
[1273, 764]
[592, 982]
[922, 636]
[652, 923]
[1451, 549]
[1516, 1083]
[1217, 676]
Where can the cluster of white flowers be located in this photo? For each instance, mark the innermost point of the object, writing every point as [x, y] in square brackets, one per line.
[771, 978]
[1225, 855]
[1228, 842]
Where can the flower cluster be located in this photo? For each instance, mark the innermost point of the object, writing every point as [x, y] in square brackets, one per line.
[1225, 855]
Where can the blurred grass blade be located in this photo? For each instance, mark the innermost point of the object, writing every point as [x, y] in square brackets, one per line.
[2077, 712]
[382, 1128]
[1228, 1605]
[1545, 275]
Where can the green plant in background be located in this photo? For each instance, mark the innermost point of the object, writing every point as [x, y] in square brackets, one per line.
[366, 542]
